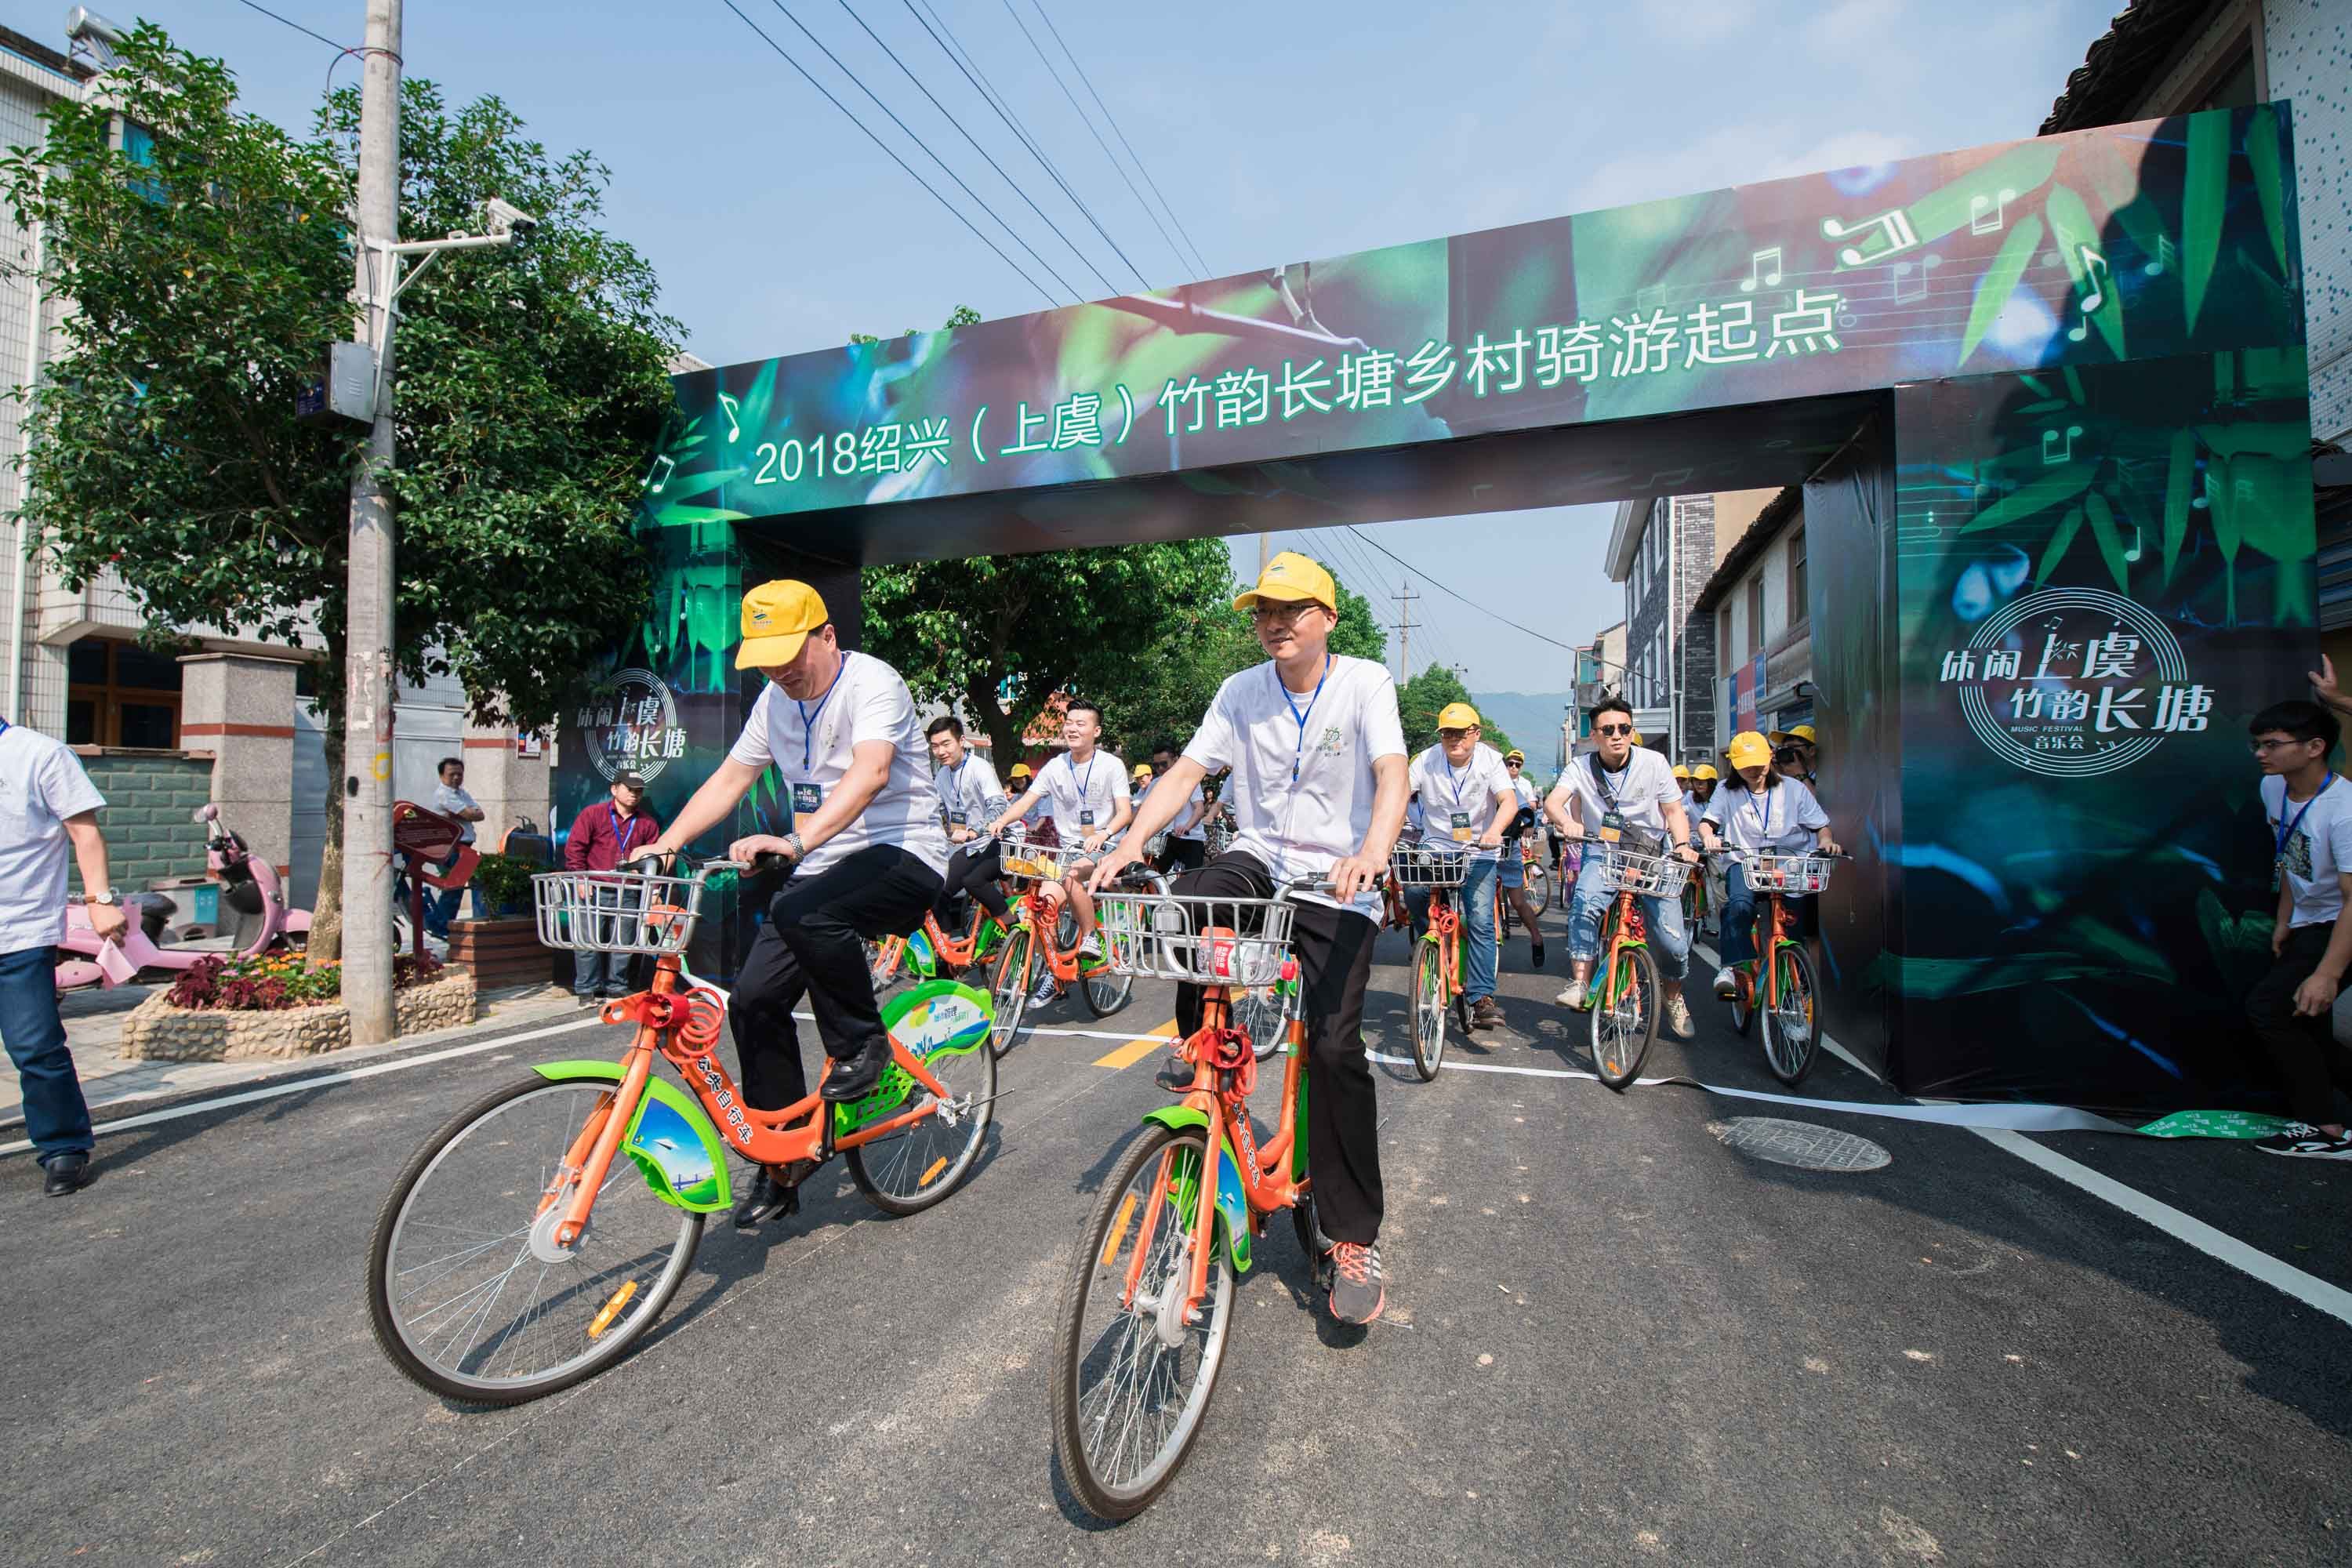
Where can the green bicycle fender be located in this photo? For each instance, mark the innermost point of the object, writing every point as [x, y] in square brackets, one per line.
[1233, 1208]
[671, 1142]
[935, 1018]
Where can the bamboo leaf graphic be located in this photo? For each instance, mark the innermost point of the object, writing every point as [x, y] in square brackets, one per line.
[2202, 205]
[2262, 154]
[2058, 543]
[2177, 483]
[2054, 487]
[2072, 227]
[2111, 543]
[1993, 290]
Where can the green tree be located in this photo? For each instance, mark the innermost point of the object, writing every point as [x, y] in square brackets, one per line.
[1422, 697]
[210, 264]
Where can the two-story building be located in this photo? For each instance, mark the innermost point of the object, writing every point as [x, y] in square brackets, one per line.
[1664, 551]
[1756, 600]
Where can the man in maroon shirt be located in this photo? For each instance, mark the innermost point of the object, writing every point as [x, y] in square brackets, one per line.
[601, 839]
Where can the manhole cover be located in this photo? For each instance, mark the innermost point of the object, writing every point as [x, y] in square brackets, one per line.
[1800, 1144]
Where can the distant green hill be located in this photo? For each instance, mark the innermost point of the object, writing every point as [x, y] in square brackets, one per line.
[1532, 718]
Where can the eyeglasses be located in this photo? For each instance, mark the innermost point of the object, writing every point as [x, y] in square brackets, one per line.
[2263, 748]
[1452, 734]
[1280, 615]
[1613, 728]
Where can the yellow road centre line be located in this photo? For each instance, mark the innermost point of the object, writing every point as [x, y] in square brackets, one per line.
[1134, 1051]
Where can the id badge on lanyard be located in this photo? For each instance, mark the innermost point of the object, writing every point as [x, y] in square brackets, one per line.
[808, 798]
[1612, 826]
[1462, 832]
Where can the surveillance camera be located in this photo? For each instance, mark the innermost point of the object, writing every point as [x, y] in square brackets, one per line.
[505, 217]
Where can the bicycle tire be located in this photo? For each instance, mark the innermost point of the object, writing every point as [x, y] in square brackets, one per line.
[1129, 1334]
[910, 1171]
[1010, 994]
[1791, 1026]
[1539, 879]
[1623, 1031]
[396, 1335]
[1428, 1009]
[1263, 1011]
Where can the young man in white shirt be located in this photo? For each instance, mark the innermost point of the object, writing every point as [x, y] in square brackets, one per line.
[1510, 867]
[866, 847]
[1318, 789]
[1188, 839]
[1761, 812]
[969, 797]
[46, 804]
[2291, 1008]
[1086, 788]
[1467, 802]
[1623, 792]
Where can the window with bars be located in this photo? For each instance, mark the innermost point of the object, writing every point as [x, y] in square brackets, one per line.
[1799, 605]
[119, 694]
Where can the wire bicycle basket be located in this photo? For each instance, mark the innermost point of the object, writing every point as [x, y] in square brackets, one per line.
[617, 912]
[1787, 874]
[1195, 939]
[1424, 866]
[1645, 876]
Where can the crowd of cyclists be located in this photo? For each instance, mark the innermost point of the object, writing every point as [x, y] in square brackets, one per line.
[1298, 769]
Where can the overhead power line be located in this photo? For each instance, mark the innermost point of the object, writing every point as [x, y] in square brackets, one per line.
[889, 151]
[1047, 61]
[298, 26]
[1140, 168]
[952, 46]
[1442, 588]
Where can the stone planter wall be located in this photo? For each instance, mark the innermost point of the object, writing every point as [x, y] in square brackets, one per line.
[157, 1030]
[499, 952]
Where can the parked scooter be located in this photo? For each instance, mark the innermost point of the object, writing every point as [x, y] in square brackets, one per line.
[249, 890]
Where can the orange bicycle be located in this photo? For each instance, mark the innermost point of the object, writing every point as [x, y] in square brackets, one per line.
[929, 952]
[1046, 933]
[516, 1254]
[1625, 994]
[1441, 954]
[1142, 1328]
[1789, 1002]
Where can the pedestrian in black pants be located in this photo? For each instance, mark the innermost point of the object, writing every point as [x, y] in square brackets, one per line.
[2291, 1008]
[976, 870]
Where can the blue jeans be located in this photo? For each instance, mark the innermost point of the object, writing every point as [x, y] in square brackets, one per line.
[441, 903]
[1475, 901]
[57, 1118]
[1593, 894]
[1738, 922]
[606, 972]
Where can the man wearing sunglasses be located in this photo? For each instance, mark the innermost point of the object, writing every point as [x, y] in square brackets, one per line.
[1624, 795]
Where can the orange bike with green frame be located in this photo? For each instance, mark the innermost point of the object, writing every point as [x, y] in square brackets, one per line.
[1788, 1001]
[1441, 955]
[1046, 932]
[1143, 1327]
[1626, 992]
[541, 1231]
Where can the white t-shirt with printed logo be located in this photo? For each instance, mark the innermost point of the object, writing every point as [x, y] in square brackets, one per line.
[2318, 850]
[1782, 819]
[810, 744]
[1091, 789]
[41, 784]
[1457, 804]
[969, 792]
[1302, 827]
[1638, 792]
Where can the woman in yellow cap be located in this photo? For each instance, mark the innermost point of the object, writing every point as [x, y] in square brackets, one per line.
[1757, 810]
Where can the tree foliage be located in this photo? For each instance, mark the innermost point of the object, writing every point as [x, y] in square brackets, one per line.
[1422, 697]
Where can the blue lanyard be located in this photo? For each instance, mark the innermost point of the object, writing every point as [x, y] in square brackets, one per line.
[955, 777]
[1764, 828]
[4, 726]
[1299, 749]
[808, 720]
[623, 839]
[1451, 782]
[1086, 794]
[2287, 828]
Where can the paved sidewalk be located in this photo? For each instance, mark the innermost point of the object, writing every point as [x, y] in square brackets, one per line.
[94, 1026]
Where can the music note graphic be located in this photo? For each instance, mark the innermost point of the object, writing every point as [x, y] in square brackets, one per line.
[663, 466]
[727, 405]
[2050, 459]
[2133, 554]
[2165, 255]
[1916, 289]
[1986, 214]
[1879, 238]
[2094, 291]
[1756, 271]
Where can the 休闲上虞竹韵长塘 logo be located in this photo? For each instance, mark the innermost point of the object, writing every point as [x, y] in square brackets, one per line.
[2075, 682]
[631, 724]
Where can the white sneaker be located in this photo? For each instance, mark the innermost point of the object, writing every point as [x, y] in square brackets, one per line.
[1576, 996]
[1727, 984]
[1091, 947]
[1678, 1017]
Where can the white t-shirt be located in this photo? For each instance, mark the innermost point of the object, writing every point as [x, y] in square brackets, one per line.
[1199, 832]
[1082, 799]
[1525, 788]
[1457, 804]
[2317, 852]
[1779, 820]
[1302, 792]
[41, 784]
[450, 800]
[970, 791]
[1637, 792]
[810, 744]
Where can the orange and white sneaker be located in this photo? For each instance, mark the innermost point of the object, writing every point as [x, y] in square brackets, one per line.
[1357, 1288]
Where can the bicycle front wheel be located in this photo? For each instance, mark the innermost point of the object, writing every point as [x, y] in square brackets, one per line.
[1625, 1017]
[1131, 1380]
[1791, 1025]
[468, 1292]
[916, 1166]
[1011, 992]
[1105, 989]
[1263, 1012]
[1539, 889]
[1428, 1009]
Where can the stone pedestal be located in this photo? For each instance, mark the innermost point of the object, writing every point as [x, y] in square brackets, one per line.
[240, 707]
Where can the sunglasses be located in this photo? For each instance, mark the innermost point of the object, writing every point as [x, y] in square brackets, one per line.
[1613, 728]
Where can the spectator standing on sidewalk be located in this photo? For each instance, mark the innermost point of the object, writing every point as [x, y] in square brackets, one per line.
[450, 799]
[46, 802]
[2291, 1008]
[602, 837]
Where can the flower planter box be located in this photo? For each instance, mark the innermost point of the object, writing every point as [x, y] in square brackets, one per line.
[499, 952]
[157, 1030]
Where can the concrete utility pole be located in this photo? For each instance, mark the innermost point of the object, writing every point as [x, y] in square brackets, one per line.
[1406, 596]
[368, 683]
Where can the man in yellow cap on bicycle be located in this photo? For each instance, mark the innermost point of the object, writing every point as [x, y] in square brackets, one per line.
[1467, 805]
[1319, 789]
[868, 853]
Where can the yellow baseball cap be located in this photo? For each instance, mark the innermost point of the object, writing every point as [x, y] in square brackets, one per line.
[1801, 732]
[1515, 755]
[1637, 738]
[1748, 749]
[1143, 770]
[1288, 578]
[1681, 772]
[777, 618]
[1706, 771]
[1019, 771]
[1457, 716]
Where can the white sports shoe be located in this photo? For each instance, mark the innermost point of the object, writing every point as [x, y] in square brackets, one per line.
[1727, 985]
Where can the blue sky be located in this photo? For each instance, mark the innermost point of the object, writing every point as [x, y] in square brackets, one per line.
[1276, 133]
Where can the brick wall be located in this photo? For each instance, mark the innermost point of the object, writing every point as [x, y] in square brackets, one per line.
[1695, 557]
[149, 821]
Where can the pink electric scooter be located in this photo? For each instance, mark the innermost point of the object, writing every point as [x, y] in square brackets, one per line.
[249, 889]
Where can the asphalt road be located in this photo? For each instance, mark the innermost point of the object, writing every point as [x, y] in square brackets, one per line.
[1610, 1338]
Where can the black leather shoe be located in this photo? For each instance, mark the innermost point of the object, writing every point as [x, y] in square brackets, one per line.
[854, 1078]
[767, 1199]
[66, 1174]
[1175, 1075]
[1539, 955]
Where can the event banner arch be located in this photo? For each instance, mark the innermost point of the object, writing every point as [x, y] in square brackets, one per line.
[2049, 403]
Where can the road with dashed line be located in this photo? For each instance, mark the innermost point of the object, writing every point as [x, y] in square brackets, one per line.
[1610, 1338]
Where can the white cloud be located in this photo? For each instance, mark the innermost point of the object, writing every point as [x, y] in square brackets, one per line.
[1846, 149]
[1733, 155]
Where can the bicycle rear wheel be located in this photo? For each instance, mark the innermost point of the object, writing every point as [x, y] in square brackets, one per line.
[1791, 1025]
[1011, 992]
[1624, 1025]
[1131, 1382]
[910, 1171]
[1539, 888]
[468, 1294]
[1428, 1009]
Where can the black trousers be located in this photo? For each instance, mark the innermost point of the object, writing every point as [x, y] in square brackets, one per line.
[2304, 1049]
[1188, 854]
[975, 869]
[812, 945]
[1335, 960]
